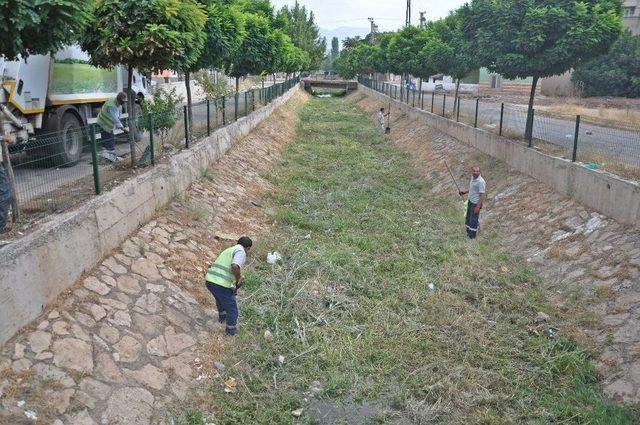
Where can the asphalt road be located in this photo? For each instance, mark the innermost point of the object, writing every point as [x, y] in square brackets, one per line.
[620, 144]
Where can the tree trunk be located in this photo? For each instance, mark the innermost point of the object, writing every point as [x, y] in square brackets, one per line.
[6, 159]
[420, 89]
[456, 103]
[237, 84]
[402, 87]
[131, 110]
[529, 126]
[187, 83]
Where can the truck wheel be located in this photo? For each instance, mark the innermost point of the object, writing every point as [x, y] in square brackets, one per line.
[65, 148]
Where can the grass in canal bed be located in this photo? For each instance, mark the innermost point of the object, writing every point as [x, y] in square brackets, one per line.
[350, 306]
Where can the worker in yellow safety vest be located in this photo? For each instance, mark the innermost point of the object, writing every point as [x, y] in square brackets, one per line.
[223, 280]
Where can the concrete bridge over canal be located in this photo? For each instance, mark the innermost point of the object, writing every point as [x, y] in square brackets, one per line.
[346, 86]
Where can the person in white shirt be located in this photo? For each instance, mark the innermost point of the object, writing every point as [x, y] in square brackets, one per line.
[381, 120]
[476, 197]
[223, 280]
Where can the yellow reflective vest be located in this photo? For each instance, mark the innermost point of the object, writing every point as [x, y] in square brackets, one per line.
[220, 271]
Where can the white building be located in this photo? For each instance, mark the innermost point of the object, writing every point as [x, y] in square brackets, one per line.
[631, 15]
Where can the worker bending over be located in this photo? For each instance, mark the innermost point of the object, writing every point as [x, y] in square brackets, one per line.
[477, 187]
[223, 280]
[108, 121]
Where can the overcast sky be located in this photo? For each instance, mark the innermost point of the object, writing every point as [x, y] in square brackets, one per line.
[388, 14]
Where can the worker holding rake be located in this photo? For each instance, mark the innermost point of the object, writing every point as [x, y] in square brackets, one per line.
[475, 200]
[475, 196]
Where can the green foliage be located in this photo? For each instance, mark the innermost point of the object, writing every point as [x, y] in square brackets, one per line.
[146, 35]
[212, 87]
[359, 59]
[257, 52]
[224, 31]
[539, 38]
[39, 27]
[402, 52]
[163, 110]
[335, 47]
[616, 73]
[299, 24]
[448, 51]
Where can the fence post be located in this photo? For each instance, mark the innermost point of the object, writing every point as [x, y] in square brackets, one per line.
[575, 139]
[94, 158]
[433, 98]
[224, 110]
[475, 121]
[501, 116]
[152, 148]
[186, 127]
[531, 128]
[235, 107]
[444, 103]
[208, 118]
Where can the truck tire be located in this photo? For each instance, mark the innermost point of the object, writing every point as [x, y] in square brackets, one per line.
[61, 144]
[68, 149]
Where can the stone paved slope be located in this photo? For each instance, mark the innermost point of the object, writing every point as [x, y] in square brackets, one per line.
[122, 346]
[590, 263]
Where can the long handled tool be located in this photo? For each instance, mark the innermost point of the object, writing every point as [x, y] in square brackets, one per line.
[451, 174]
[387, 130]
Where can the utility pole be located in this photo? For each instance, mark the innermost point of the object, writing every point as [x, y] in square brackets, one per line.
[408, 15]
[423, 20]
[374, 29]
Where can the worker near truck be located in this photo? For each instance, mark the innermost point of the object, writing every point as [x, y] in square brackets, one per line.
[223, 280]
[109, 121]
[475, 198]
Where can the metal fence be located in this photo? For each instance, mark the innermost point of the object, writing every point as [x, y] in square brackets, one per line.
[616, 149]
[47, 179]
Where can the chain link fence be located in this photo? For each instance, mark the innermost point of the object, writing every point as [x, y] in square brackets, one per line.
[57, 171]
[613, 148]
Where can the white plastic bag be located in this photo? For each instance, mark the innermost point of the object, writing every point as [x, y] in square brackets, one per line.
[273, 257]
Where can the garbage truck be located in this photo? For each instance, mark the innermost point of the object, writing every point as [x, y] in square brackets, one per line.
[56, 97]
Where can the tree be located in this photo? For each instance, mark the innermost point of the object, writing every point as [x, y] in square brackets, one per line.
[539, 38]
[335, 48]
[144, 35]
[39, 27]
[223, 33]
[256, 52]
[616, 73]
[450, 52]
[300, 26]
[403, 52]
[357, 59]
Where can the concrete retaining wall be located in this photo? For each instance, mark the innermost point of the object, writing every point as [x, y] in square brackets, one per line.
[604, 192]
[35, 269]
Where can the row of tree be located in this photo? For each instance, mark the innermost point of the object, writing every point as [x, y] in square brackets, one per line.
[239, 37]
[517, 39]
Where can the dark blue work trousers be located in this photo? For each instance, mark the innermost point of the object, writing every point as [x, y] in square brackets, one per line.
[227, 306]
[472, 221]
[5, 197]
[108, 139]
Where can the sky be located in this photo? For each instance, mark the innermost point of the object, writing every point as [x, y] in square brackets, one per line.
[387, 14]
